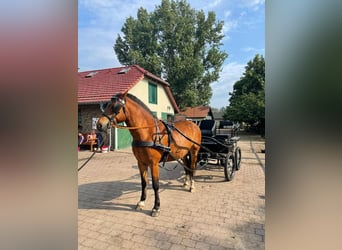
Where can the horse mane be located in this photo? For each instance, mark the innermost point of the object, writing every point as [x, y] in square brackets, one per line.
[138, 101]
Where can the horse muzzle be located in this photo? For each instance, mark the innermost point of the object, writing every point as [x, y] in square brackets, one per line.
[102, 127]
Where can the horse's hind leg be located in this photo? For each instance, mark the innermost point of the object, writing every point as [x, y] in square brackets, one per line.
[193, 162]
[186, 162]
[143, 169]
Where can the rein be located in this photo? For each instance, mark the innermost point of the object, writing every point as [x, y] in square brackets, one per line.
[126, 127]
[159, 146]
[89, 158]
[86, 162]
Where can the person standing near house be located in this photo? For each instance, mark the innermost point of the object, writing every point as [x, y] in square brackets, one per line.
[80, 135]
[96, 135]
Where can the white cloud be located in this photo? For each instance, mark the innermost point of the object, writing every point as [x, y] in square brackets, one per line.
[230, 74]
[114, 12]
[229, 25]
[215, 3]
[254, 50]
[227, 13]
[96, 3]
[252, 4]
[248, 49]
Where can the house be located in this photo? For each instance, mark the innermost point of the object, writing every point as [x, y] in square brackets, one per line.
[196, 114]
[98, 86]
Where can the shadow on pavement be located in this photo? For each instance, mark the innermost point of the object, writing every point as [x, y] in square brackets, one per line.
[100, 195]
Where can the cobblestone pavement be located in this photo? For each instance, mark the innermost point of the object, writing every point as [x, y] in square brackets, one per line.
[219, 215]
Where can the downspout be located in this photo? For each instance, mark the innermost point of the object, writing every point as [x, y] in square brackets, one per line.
[109, 133]
[115, 138]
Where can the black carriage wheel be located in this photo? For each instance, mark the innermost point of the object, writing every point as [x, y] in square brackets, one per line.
[229, 168]
[237, 155]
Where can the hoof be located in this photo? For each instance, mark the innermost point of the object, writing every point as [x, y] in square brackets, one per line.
[155, 212]
[192, 190]
[140, 206]
[186, 185]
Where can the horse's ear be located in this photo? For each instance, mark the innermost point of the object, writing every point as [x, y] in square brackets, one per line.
[124, 94]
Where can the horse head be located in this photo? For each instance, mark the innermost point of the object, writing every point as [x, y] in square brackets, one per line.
[113, 112]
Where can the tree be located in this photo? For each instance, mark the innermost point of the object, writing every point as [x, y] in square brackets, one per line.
[247, 101]
[177, 43]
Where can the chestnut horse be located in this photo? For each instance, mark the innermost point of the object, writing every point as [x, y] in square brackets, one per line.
[154, 141]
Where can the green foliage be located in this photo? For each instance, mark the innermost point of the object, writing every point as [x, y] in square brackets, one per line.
[248, 108]
[178, 43]
[253, 79]
[247, 102]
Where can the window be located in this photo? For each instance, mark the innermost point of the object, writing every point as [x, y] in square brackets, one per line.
[124, 70]
[167, 117]
[152, 93]
[91, 74]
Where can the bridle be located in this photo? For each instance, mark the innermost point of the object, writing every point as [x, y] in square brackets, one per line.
[119, 104]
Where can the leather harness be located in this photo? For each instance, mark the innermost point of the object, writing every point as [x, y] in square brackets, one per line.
[156, 143]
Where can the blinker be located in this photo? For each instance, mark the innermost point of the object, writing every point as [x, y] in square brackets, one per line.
[117, 99]
[119, 103]
[103, 106]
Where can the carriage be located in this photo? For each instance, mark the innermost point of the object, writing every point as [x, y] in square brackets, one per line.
[219, 146]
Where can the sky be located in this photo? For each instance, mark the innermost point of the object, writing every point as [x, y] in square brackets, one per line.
[100, 22]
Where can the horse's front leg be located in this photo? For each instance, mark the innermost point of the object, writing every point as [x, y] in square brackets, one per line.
[155, 185]
[143, 169]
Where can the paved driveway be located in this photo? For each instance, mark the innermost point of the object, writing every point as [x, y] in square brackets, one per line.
[219, 215]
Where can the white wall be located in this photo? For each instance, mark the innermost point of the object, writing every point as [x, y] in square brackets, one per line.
[140, 90]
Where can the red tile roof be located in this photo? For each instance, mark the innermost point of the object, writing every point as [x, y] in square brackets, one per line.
[104, 83]
[196, 112]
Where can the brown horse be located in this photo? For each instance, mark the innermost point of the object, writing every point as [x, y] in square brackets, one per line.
[153, 141]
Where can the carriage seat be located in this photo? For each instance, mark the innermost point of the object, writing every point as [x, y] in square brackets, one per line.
[208, 128]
